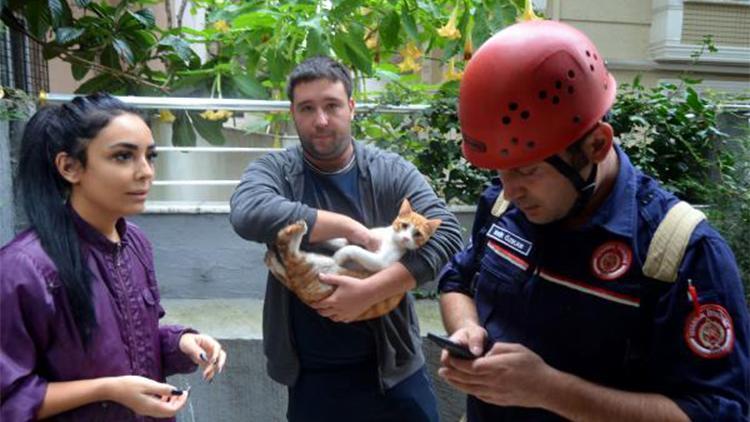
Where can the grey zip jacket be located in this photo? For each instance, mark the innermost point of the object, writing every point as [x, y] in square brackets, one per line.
[268, 198]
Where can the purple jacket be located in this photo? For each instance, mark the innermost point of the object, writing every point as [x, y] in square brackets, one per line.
[40, 342]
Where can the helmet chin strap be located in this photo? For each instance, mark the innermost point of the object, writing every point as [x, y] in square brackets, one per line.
[585, 188]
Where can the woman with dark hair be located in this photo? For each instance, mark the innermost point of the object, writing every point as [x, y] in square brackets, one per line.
[80, 306]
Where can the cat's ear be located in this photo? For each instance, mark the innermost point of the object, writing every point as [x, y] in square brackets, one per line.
[405, 208]
[434, 224]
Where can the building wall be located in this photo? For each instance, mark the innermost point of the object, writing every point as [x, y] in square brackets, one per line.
[654, 39]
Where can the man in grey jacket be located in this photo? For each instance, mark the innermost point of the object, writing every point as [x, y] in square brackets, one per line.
[336, 369]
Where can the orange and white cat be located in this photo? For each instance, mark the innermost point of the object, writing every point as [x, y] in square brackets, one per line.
[298, 270]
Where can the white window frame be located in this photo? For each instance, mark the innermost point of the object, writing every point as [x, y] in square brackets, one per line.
[666, 32]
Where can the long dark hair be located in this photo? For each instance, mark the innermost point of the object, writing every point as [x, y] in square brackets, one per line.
[67, 128]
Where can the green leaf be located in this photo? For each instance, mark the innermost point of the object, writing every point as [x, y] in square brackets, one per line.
[183, 134]
[145, 17]
[59, 12]
[410, 25]
[208, 129]
[316, 44]
[123, 50]
[141, 40]
[278, 66]
[37, 17]
[693, 100]
[250, 87]
[101, 82]
[79, 70]
[111, 58]
[357, 51]
[389, 29]
[344, 7]
[387, 75]
[66, 34]
[180, 47]
[260, 19]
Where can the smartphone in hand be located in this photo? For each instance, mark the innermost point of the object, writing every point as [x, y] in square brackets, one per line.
[454, 349]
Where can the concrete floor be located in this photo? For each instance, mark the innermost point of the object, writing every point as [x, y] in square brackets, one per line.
[243, 392]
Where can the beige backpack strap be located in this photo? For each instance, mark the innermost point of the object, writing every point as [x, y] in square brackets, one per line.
[670, 241]
[500, 205]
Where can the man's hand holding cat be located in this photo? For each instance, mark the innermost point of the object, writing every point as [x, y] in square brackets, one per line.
[362, 236]
[351, 298]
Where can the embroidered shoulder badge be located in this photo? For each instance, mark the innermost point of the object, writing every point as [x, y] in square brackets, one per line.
[611, 260]
[709, 332]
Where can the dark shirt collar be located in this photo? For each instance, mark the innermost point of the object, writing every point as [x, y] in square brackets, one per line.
[94, 237]
[298, 166]
[618, 212]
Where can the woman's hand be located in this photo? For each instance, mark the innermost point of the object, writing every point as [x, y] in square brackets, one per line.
[205, 351]
[145, 396]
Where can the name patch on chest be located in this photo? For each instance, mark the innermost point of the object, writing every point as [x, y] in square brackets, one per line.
[511, 240]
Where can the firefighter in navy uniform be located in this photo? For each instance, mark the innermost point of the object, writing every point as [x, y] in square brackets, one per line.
[587, 291]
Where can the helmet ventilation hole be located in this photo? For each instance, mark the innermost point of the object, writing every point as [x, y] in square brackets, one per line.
[525, 114]
[513, 106]
[558, 84]
[506, 120]
[555, 100]
[514, 141]
[576, 119]
[588, 54]
[571, 74]
[595, 57]
[542, 94]
[591, 66]
[530, 144]
[504, 152]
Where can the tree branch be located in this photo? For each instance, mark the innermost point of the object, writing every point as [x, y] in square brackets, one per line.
[168, 8]
[183, 6]
[69, 56]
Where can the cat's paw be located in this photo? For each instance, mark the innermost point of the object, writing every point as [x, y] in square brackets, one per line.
[294, 229]
[342, 255]
[336, 243]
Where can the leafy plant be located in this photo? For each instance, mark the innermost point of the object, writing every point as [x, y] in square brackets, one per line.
[249, 46]
[430, 139]
[15, 104]
[672, 133]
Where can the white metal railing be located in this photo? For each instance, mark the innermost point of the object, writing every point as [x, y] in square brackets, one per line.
[256, 106]
[190, 103]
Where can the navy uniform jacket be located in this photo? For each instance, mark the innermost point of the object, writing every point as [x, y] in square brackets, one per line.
[579, 299]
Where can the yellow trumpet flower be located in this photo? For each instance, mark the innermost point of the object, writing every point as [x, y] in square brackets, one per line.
[528, 13]
[410, 53]
[451, 74]
[468, 47]
[215, 115]
[166, 116]
[221, 26]
[2, 93]
[371, 39]
[409, 65]
[411, 50]
[449, 30]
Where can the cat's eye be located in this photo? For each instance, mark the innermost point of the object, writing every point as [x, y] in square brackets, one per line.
[404, 226]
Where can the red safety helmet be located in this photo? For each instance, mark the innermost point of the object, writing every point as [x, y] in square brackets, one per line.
[529, 92]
